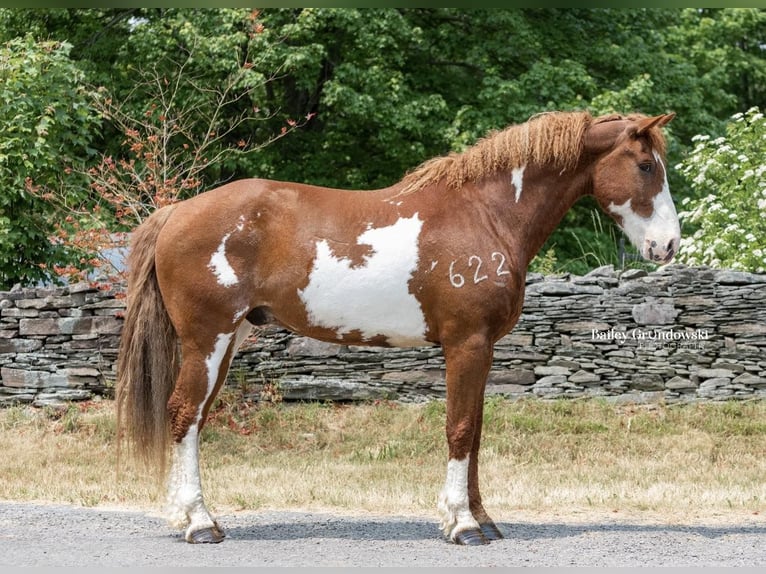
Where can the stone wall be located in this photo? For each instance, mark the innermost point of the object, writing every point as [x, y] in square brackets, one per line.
[58, 344]
[678, 334]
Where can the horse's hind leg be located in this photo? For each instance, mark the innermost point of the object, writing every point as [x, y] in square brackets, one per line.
[203, 371]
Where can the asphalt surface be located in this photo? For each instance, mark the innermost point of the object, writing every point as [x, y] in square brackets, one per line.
[64, 536]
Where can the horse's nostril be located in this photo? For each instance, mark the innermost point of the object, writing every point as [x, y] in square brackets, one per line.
[670, 254]
[671, 243]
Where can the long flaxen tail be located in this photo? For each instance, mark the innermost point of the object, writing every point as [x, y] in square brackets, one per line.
[148, 360]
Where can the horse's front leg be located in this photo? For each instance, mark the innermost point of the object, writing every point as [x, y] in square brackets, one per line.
[463, 518]
[487, 525]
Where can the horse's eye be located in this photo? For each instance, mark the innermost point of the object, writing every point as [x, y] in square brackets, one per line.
[646, 166]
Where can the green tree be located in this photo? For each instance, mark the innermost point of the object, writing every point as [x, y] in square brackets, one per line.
[353, 69]
[388, 88]
[176, 135]
[725, 46]
[725, 224]
[46, 127]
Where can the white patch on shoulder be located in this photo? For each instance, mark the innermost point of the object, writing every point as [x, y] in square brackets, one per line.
[373, 298]
[517, 178]
[220, 265]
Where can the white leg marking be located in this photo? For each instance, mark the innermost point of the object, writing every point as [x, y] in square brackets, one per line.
[517, 178]
[213, 364]
[185, 502]
[453, 501]
[221, 267]
[185, 505]
[372, 298]
[242, 332]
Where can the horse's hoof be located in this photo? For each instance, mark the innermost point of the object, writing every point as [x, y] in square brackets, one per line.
[491, 531]
[209, 535]
[473, 537]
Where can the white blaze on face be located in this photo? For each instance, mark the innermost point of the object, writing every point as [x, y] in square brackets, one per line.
[221, 267]
[657, 237]
[517, 178]
[373, 298]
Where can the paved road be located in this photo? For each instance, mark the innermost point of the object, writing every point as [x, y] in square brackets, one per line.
[46, 535]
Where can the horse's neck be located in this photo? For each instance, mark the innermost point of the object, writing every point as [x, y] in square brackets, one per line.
[533, 204]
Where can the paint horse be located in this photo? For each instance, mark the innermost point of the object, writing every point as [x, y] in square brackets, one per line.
[439, 258]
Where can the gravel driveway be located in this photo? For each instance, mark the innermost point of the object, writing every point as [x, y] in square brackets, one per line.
[47, 535]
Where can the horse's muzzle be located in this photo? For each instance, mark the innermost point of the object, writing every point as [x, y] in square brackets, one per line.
[660, 252]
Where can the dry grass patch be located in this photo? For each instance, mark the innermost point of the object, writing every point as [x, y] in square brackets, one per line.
[557, 458]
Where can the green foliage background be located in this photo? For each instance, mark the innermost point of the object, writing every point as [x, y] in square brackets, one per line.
[727, 215]
[385, 90]
[45, 125]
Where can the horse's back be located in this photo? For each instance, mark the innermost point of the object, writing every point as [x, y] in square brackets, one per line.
[311, 258]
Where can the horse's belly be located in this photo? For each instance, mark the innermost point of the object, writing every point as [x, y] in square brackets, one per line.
[369, 301]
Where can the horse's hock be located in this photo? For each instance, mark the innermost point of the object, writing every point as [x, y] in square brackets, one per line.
[677, 334]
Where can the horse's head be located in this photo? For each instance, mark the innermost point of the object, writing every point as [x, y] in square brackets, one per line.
[630, 182]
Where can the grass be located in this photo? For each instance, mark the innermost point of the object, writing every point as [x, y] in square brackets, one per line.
[683, 462]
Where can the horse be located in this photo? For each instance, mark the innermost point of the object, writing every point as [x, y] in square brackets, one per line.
[437, 259]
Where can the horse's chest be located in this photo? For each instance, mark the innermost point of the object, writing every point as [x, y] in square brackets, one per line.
[369, 298]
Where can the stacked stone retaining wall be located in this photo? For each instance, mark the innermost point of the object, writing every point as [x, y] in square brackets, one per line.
[58, 344]
[678, 334]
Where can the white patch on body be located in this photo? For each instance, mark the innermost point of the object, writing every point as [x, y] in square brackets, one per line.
[221, 267]
[434, 264]
[373, 298]
[661, 227]
[453, 500]
[517, 178]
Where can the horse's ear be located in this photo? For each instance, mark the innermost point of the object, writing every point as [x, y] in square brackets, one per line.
[602, 134]
[655, 122]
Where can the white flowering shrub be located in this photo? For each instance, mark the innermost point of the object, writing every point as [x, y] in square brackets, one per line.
[725, 224]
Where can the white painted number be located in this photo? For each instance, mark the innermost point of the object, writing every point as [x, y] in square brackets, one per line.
[500, 271]
[458, 280]
[476, 277]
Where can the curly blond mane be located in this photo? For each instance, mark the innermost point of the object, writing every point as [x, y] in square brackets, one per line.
[554, 138]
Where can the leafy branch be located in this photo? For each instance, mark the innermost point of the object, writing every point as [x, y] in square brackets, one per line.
[169, 150]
